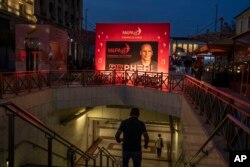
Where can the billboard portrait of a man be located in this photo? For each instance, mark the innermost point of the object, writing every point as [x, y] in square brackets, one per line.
[132, 47]
[146, 61]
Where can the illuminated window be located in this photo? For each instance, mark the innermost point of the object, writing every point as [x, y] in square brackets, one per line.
[190, 47]
[179, 45]
[174, 48]
[185, 47]
[22, 9]
[195, 46]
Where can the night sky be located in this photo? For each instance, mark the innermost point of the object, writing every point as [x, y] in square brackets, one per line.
[186, 17]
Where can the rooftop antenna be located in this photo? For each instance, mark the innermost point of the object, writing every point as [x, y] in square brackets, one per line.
[216, 15]
[86, 19]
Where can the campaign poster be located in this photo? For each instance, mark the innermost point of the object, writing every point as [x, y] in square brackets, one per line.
[132, 47]
[127, 55]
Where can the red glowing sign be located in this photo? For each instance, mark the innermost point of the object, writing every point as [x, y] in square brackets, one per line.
[119, 46]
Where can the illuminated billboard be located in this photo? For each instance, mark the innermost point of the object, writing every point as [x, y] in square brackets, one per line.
[134, 47]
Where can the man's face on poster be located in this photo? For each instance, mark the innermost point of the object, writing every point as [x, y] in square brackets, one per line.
[146, 52]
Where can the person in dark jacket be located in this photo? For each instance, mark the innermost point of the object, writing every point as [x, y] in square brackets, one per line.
[132, 130]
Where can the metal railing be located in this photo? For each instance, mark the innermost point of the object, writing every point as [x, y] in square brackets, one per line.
[28, 81]
[213, 103]
[229, 116]
[226, 125]
[13, 111]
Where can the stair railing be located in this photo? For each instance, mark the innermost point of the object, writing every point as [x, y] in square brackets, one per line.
[103, 152]
[15, 110]
[232, 122]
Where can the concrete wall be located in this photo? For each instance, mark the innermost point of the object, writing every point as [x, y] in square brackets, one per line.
[151, 99]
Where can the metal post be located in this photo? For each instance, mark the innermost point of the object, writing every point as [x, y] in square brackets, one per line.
[49, 151]
[170, 82]
[171, 138]
[114, 77]
[86, 162]
[161, 83]
[125, 77]
[101, 158]
[107, 160]
[11, 139]
[49, 78]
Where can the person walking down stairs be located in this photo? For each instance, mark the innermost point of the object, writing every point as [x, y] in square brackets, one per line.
[159, 145]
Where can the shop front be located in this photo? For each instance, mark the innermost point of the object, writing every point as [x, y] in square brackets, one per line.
[240, 68]
[216, 58]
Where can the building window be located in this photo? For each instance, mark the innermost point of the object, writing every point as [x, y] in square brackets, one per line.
[42, 8]
[66, 18]
[78, 4]
[59, 13]
[241, 26]
[22, 9]
[52, 10]
[248, 23]
[72, 21]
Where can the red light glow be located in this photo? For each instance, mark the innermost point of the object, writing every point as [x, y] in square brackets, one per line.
[141, 32]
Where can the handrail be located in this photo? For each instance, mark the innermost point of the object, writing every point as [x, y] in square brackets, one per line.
[180, 160]
[24, 81]
[107, 153]
[101, 151]
[41, 126]
[37, 123]
[228, 117]
[207, 86]
[40, 147]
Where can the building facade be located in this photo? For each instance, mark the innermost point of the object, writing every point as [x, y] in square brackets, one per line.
[243, 21]
[67, 15]
[12, 12]
[22, 9]
[64, 13]
[240, 75]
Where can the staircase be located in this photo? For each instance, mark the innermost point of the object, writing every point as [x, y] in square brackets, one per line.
[54, 151]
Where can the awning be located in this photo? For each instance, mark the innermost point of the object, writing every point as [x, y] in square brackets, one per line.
[219, 48]
[243, 37]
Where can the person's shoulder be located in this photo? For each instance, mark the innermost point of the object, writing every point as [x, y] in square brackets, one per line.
[154, 63]
[125, 121]
[141, 122]
[138, 62]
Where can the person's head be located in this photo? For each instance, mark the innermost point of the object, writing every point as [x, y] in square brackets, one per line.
[146, 52]
[159, 135]
[134, 112]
